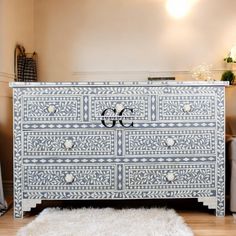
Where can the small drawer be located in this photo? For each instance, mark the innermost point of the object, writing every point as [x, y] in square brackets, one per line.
[181, 107]
[90, 143]
[135, 107]
[52, 108]
[169, 142]
[69, 177]
[171, 176]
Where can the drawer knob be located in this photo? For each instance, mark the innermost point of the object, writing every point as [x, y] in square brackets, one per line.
[170, 176]
[68, 144]
[69, 178]
[170, 142]
[51, 109]
[187, 108]
[119, 107]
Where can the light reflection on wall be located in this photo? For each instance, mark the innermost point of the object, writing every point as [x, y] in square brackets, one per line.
[179, 8]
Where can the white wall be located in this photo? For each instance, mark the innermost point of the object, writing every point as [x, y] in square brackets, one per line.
[16, 26]
[120, 39]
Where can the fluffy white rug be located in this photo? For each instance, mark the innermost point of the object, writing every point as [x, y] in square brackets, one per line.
[107, 222]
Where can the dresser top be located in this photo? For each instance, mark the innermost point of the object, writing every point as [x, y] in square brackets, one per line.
[123, 83]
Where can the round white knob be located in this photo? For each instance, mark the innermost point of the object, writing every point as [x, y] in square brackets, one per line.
[119, 108]
[69, 178]
[52, 109]
[170, 142]
[68, 144]
[170, 176]
[187, 107]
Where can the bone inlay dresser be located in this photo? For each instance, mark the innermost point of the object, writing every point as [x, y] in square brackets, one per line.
[130, 140]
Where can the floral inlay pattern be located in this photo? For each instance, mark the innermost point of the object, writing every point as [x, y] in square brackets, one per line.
[175, 149]
[151, 176]
[139, 104]
[84, 177]
[184, 142]
[173, 107]
[64, 108]
[83, 143]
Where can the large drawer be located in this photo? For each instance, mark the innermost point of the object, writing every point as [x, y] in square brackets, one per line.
[69, 177]
[169, 142]
[82, 143]
[169, 176]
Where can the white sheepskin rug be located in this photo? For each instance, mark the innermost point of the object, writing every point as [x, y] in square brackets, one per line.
[107, 222]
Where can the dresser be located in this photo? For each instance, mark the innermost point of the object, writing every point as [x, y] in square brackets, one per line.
[119, 140]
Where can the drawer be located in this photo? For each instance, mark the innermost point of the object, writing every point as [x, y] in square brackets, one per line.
[169, 142]
[69, 177]
[52, 108]
[138, 103]
[171, 176]
[90, 143]
[181, 107]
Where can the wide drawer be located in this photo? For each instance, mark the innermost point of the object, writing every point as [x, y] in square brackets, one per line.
[170, 142]
[69, 177]
[171, 176]
[181, 107]
[89, 143]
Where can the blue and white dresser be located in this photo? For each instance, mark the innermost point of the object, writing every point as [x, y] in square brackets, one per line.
[130, 140]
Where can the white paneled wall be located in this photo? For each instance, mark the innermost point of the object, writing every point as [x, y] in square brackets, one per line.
[110, 39]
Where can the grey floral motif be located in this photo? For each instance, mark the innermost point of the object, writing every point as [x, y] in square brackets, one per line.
[173, 108]
[138, 104]
[184, 142]
[57, 178]
[191, 176]
[38, 108]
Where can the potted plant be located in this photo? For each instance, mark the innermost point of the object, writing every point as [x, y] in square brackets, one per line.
[228, 76]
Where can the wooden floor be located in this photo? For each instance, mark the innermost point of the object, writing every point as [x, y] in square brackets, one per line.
[203, 222]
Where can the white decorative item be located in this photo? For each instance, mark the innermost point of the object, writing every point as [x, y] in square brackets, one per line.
[69, 178]
[119, 107]
[187, 107]
[231, 57]
[51, 109]
[202, 72]
[177, 134]
[170, 176]
[233, 53]
[170, 142]
[68, 144]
